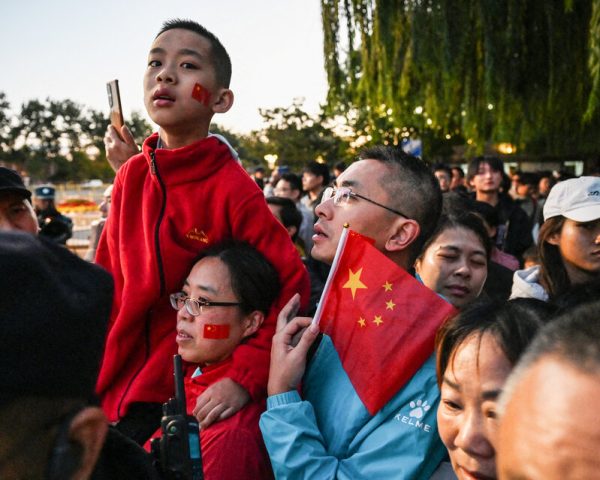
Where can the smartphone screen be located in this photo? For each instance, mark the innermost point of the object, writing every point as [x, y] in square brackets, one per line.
[114, 101]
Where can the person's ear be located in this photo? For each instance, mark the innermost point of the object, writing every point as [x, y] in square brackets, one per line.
[404, 232]
[223, 100]
[252, 323]
[88, 428]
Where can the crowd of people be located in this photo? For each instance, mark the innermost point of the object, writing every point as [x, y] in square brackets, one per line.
[198, 257]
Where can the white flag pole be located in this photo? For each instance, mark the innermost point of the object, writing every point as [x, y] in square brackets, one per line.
[334, 266]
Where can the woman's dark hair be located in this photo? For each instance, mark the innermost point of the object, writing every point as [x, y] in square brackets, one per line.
[254, 280]
[577, 294]
[513, 324]
[553, 274]
[468, 221]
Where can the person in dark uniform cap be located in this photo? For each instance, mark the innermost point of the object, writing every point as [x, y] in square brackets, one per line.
[54, 310]
[53, 225]
[16, 211]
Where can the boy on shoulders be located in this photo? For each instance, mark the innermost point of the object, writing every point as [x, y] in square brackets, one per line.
[183, 193]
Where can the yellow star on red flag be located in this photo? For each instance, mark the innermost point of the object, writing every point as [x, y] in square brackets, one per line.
[387, 286]
[362, 322]
[354, 282]
[390, 305]
[377, 321]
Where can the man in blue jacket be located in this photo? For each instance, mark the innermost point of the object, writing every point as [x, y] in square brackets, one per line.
[327, 433]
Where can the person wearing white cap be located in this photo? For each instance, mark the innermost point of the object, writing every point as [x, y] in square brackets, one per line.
[568, 243]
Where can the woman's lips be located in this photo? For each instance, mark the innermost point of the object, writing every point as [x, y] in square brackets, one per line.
[458, 290]
[183, 336]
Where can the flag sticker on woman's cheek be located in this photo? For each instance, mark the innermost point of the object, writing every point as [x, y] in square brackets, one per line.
[216, 332]
[201, 94]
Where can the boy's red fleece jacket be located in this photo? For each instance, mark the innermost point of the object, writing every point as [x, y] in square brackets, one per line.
[167, 206]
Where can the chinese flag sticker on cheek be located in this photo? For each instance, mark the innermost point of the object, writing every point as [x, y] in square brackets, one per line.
[201, 94]
[216, 332]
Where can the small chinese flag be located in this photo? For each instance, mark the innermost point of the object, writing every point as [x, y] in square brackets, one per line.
[216, 332]
[201, 94]
[381, 320]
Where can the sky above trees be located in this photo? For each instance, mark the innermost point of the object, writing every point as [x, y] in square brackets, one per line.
[69, 49]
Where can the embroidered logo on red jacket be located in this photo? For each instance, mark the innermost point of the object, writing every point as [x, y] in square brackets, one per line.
[199, 235]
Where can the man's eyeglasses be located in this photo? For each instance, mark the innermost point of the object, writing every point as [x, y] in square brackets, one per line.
[342, 195]
[195, 306]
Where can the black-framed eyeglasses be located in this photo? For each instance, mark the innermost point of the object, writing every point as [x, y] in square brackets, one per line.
[195, 306]
[342, 195]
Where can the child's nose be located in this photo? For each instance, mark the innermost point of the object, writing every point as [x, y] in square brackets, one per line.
[166, 74]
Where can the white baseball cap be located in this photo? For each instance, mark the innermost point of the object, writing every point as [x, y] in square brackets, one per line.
[577, 199]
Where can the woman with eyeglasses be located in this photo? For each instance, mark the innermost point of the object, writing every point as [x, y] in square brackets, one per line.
[223, 302]
[454, 262]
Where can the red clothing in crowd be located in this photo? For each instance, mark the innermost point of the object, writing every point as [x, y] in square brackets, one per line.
[167, 206]
[232, 449]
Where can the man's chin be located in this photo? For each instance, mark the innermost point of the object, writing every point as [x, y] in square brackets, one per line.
[320, 256]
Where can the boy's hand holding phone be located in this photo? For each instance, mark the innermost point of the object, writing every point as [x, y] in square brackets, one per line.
[118, 140]
[120, 146]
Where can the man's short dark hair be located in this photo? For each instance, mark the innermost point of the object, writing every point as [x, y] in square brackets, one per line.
[294, 180]
[318, 169]
[437, 167]
[219, 56]
[529, 178]
[289, 213]
[340, 166]
[411, 187]
[495, 164]
[572, 338]
[456, 168]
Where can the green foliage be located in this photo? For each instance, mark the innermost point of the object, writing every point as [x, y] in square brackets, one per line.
[593, 107]
[293, 135]
[525, 72]
[59, 140]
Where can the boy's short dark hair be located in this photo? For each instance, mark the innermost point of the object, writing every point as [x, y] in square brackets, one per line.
[318, 169]
[219, 56]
